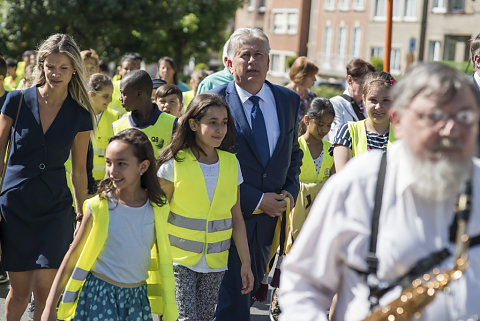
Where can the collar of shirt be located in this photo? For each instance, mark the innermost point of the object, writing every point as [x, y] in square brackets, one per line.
[98, 117]
[151, 120]
[245, 95]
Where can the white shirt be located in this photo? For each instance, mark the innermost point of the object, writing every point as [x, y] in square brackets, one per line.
[336, 236]
[125, 257]
[269, 111]
[343, 113]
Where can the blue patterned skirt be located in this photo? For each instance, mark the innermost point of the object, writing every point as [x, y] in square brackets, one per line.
[102, 301]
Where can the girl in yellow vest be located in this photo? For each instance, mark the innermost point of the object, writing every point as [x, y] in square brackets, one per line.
[374, 132]
[100, 89]
[105, 273]
[201, 180]
[317, 164]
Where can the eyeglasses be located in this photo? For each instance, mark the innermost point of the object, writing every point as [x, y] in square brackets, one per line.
[439, 118]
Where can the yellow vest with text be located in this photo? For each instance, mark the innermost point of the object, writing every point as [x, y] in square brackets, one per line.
[195, 225]
[100, 142]
[358, 133]
[160, 134]
[308, 173]
[160, 284]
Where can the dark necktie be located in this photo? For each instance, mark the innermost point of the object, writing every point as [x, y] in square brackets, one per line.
[259, 131]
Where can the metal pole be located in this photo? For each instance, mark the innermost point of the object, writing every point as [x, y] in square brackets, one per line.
[423, 31]
[388, 37]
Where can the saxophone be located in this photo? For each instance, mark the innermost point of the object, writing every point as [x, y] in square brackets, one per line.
[424, 289]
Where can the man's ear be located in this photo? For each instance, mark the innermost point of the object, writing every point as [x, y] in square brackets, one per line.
[230, 65]
[395, 120]
[476, 59]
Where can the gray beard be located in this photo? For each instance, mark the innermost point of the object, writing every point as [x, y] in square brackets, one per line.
[437, 180]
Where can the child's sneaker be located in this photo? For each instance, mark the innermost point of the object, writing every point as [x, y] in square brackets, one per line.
[3, 276]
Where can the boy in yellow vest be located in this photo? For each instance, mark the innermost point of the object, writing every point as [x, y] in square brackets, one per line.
[135, 95]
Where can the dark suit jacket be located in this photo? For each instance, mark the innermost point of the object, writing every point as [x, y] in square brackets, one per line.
[284, 166]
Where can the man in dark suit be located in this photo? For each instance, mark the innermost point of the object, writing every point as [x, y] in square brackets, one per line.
[269, 155]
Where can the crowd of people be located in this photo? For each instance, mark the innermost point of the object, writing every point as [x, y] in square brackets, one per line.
[136, 196]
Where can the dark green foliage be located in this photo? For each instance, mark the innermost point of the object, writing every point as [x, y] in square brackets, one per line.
[176, 28]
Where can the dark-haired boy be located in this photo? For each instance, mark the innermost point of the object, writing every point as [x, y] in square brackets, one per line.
[169, 99]
[136, 98]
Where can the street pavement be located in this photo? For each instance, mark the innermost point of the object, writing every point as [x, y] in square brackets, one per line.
[259, 311]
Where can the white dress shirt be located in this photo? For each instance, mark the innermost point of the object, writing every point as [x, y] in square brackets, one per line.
[269, 111]
[336, 236]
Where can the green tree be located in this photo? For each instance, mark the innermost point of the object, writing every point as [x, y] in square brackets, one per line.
[177, 28]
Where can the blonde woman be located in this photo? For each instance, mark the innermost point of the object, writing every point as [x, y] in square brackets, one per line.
[54, 121]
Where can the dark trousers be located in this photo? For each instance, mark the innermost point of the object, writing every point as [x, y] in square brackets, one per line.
[232, 305]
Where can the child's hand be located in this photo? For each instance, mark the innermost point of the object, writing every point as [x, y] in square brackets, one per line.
[247, 278]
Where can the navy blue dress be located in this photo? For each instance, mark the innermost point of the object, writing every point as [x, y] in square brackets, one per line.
[35, 202]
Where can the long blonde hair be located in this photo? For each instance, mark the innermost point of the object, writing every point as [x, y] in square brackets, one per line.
[77, 87]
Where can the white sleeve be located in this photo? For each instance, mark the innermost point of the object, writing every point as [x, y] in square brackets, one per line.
[312, 270]
[338, 120]
[167, 170]
[240, 176]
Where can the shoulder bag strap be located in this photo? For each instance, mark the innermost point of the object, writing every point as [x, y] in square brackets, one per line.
[9, 143]
[355, 106]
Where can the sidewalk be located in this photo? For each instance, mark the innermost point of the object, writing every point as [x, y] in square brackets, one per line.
[259, 311]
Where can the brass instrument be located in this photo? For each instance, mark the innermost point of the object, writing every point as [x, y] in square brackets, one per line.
[424, 289]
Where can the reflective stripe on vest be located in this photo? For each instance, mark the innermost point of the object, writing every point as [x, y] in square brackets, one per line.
[194, 225]
[160, 284]
[100, 142]
[199, 224]
[308, 172]
[160, 133]
[358, 133]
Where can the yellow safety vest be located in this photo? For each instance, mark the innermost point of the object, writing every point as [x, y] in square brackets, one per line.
[116, 104]
[195, 225]
[9, 84]
[358, 133]
[100, 142]
[160, 134]
[160, 284]
[308, 173]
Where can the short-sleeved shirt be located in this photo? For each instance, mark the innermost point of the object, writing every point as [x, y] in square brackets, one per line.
[374, 140]
[36, 203]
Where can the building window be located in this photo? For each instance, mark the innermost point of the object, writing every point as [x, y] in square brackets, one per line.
[343, 5]
[329, 5]
[250, 5]
[395, 60]
[376, 52]
[292, 23]
[275, 67]
[410, 10]
[279, 22]
[261, 5]
[434, 53]
[357, 41]
[380, 8]
[341, 47]
[457, 6]
[439, 6]
[358, 5]
[327, 46]
[285, 21]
